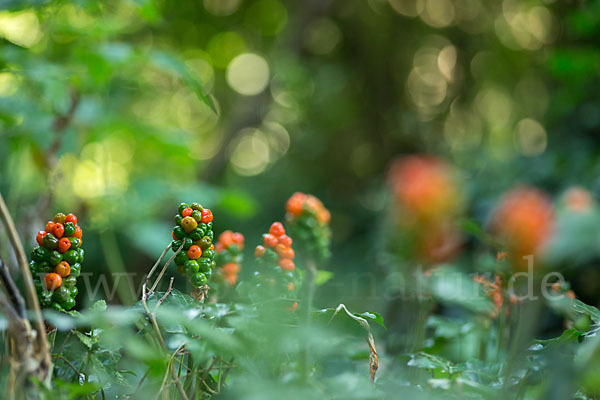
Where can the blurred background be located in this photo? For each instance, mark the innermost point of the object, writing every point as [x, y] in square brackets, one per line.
[119, 110]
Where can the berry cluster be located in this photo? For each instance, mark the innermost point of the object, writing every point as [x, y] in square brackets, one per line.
[56, 262]
[194, 232]
[309, 223]
[275, 260]
[229, 255]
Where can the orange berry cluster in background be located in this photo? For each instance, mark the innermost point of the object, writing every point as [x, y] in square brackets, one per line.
[279, 242]
[229, 247]
[425, 188]
[524, 222]
[301, 203]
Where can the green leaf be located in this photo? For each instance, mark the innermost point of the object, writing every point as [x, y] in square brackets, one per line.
[373, 316]
[323, 277]
[88, 341]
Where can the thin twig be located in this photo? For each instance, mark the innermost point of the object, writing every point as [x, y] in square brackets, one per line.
[70, 364]
[161, 341]
[32, 299]
[167, 293]
[162, 272]
[11, 289]
[164, 253]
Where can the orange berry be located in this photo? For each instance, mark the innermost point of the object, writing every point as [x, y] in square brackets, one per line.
[269, 240]
[277, 229]
[78, 232]
[238, 239]
[226, 239]
[295, 204]
[194, 252]
[39, 238]
[230, 268]
[71, 218]
[571, 294]
[424, 187]
[64, 244]
[285, 240]
[187, 212]
[49, 226]
[63, 269]
[284, 252]
[524, 220]
[291, 286]
[231, 279]
[52, 280]
[293, 307]
[212, 246]
[259, 251]
[286, 264]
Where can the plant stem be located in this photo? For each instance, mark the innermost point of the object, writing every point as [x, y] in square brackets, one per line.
[30, 292]
[311, 269]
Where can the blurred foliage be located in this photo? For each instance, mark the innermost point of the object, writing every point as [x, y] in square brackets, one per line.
[118, 109]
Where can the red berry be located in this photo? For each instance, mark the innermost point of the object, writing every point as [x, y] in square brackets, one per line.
[287, 264]
[71, 218]
[260, 251]
[277, 229]
[78, 232]
[226, 239]
[63, 245]
[187, 212]
[194, 252]
[207, 216]
[58, 230]
[39, 238]
[285, 240]
[269, 240]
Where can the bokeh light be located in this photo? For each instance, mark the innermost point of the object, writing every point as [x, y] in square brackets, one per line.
[248, 74]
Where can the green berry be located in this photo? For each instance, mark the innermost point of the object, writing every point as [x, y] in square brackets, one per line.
[208, 274]
[75, 242]
[50, 241]
[204, 264]
[40, 254]
[69, 281]
[71, 256]
[203, 226]
[61, 294]
[178, 219]
[54, 305]
[175, 245]
[181, 258]
[197, 215]
[56, 257]
[34, 267]
[198, 279]
[45, 298]
[208, 253]
[80, 255]
[210, 234]
[75, 270]
[197, 207]
[209, 225]
[196, 234]
[74, 292]
[213, 264]
[69, 229]
[68, 303]
[182, 207]
[178, 232]
[45, 267]
[187, 243]
[190, 267]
